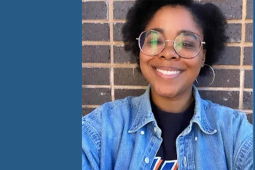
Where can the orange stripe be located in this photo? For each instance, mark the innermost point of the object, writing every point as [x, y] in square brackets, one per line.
[176, 166]
[160, 161]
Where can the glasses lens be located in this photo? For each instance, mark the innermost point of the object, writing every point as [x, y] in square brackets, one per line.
[151, 42]
[187, 45]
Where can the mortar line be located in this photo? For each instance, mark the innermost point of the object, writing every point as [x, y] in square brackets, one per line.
[136, 87]
[98, 21]
[232, 67]
[246, 111]
[115, 86]
[248, 89]
[243, 32]
[238, 44]
[108, 65]
[124, 0]
[103, 21]
[110, 11]
[90, 106]
[144, 87]
[218, 88]
[96, 86]
[120, 43]
[119, 65]
[241, 89]
[239, 21]
[94, 0]
[130, 87]
[242, 55]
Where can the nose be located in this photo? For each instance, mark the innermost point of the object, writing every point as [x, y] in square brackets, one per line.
[169, 52]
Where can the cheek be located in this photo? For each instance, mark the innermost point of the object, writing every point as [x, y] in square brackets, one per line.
[142, 64]
[141, 61]
[195, 65]
[144, 60]
[199, 60]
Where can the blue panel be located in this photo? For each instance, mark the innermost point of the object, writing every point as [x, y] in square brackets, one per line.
[40, 84]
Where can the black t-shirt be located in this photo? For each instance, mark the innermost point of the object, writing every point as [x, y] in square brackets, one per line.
[171, 124]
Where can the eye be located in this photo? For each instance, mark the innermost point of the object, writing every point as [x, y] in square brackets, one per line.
[155, 42]
[186, 44]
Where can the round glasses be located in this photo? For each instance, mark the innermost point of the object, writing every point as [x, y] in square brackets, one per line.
[186, 44]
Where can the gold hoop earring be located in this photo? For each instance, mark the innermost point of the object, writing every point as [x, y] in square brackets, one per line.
[213, 75]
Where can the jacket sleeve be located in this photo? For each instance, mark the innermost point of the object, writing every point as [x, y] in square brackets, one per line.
[244, 160]
[90, 147]
[244, 145]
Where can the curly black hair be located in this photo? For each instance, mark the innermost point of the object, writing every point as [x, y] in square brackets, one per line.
[208, 16]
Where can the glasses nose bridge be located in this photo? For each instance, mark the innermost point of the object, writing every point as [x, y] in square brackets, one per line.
[169, 41]
[166, 42]
[171, 46]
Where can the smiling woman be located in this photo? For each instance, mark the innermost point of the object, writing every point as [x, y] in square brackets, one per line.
[170, 75]
[170, 126]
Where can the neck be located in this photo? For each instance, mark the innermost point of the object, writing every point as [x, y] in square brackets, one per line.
[176, 104]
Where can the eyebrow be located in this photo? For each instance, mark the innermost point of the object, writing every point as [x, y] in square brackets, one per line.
[158, 29]
[179, 32]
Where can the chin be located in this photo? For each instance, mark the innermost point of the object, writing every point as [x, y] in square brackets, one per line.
[167, 92]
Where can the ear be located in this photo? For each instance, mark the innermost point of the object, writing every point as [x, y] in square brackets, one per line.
[203, 58]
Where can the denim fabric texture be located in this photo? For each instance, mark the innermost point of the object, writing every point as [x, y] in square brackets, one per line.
[123, 135]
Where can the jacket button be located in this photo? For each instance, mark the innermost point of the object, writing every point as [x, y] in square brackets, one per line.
[155, 129]
[185, 161]
[142, 132]
[147, 160]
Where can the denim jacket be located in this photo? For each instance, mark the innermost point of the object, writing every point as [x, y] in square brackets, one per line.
[123, 135]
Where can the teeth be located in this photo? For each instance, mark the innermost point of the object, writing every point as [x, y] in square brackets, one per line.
[167, 72]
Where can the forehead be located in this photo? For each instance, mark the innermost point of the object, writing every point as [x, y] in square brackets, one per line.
[174, 19]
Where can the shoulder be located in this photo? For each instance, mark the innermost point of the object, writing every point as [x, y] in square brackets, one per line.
[217, 112]
[114, 108]
[218, 115]
[226, 120]
[102, 123]
[234, 128]
[109, 116]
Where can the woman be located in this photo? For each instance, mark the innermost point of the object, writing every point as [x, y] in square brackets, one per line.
[169, 126]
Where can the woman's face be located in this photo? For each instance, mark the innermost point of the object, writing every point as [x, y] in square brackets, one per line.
[181, 72]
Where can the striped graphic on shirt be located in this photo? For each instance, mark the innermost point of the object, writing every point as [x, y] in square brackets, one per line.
[159, 164]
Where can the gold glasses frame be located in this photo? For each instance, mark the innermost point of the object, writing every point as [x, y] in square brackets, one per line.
[165, 43]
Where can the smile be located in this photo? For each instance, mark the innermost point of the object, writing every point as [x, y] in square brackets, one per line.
[166, 72]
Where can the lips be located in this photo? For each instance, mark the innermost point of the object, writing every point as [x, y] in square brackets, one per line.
[168, 72]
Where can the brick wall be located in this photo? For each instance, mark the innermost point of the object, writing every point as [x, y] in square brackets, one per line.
[109, 73]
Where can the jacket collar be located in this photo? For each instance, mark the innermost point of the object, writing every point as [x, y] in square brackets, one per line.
[144, 113]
